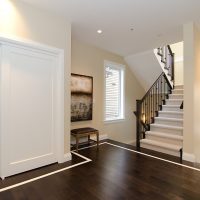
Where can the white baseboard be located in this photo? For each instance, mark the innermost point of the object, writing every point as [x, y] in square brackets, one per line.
[189, 157]
[84, 139]
[67, 157]
[131, 142]
[103, 137]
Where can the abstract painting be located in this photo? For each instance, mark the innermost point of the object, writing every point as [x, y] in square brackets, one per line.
[81, 97]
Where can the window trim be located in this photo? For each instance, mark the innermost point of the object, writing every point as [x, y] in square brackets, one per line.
[122, 68]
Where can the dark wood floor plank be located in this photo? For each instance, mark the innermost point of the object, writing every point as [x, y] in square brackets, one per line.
[114, 174]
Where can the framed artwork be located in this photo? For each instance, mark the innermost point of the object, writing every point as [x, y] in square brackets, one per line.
[81, 97]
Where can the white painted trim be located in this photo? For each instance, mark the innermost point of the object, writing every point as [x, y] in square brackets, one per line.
[131, 142]
[67, 157]
[13, 40]
[189, 157]
[114, 64]
[114, 121]
[103, 137]
[121, 67]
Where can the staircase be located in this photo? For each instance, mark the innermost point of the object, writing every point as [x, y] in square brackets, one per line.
[159, 113]
[166, 133]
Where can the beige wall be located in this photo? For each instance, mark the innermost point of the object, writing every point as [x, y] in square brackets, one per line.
[197, 95]
[177, 49]
[89, 60]
[26, 22]
[188, 88]
[178, 73]
[191, 143]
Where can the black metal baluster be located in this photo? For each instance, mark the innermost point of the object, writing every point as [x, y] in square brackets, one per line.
[156, 96]
[150, 107]
[153, 103]
[164, 88]
[149, 110]
[159, 93]
[145, 105]
[161, 89]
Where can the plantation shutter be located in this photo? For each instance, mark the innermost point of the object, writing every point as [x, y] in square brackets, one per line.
[112, 93]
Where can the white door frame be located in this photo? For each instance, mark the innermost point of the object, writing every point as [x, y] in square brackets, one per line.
[59, 101]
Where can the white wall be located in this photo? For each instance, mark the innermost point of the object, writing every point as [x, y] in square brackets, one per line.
[24, 21]
[146, 67]
[89, 60]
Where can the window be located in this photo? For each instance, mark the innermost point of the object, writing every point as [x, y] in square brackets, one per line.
[114, 91]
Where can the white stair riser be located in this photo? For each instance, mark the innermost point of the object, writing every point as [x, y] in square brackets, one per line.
[178, 87]
[168, 108]
[166, 130]
[160, 149]
[175, 96]
[173, 102]
[177, 91]
[170, 115]
[164, 139]
[168, 122]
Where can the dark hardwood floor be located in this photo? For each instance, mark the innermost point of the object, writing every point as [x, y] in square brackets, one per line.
[113, 174]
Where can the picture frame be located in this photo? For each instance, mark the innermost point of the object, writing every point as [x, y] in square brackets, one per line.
[81, 97]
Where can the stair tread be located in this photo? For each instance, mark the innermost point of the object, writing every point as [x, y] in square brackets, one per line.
[165, 135]
[162, 144]
[175, 94]
[168, 112]
[172, 106]
[167, 126]
[178, 89]
[174, 99]
[169, 119]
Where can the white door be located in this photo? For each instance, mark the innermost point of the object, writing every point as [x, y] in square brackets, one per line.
[28, 109]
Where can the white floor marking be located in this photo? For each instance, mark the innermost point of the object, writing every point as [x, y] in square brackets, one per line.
[48, 174]
[89, 160]
[77, 154]
[144, 154]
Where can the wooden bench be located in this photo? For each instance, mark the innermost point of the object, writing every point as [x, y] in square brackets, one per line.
[85, 132]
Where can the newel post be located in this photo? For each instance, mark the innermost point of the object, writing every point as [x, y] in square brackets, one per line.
[138, 123]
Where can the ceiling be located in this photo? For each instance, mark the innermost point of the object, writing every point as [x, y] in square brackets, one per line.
[154, 22]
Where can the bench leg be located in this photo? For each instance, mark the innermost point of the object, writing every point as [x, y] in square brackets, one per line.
[88, 139]
[77, 142]
[181, 155]
[97, 139]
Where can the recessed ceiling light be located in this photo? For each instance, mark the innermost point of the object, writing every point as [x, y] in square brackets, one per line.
[99, 31]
